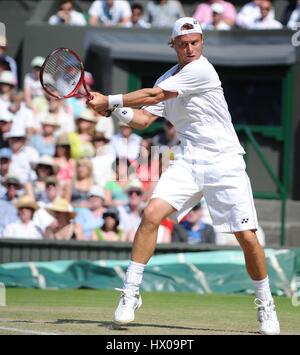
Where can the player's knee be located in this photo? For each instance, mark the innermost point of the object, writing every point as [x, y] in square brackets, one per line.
[151, 216]
[247, 239]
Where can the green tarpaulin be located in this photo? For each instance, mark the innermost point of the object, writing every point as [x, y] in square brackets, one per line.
[204, 272]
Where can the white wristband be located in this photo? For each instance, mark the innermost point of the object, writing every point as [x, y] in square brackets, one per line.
[115, 101]
[124, 115]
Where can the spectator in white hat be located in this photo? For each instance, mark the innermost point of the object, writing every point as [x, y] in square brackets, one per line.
[90, 218]
[109, 12]
[218, 22]
[7, 86]
[81, 140]
[8, 63]
[22, 155]
[64, 227]
[32, 86]
[44, 168]
[204, 12]
[24, 228]
[45, 142]
[67, 15]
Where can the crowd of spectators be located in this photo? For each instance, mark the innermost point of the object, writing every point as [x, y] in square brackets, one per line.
[212, 14]
[68, 173]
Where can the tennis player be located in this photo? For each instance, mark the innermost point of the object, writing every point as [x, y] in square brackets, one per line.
[210, 163]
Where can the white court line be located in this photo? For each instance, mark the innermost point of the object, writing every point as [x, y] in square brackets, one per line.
[26, 331]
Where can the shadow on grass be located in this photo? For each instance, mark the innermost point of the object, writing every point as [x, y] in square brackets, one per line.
[113, 326]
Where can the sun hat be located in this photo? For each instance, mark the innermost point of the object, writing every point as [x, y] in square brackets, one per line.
[134, 185]
[62, 206]
[45, 160]
[51, 120]
[26, 202]
[37, 62]
[63, 140]
[15, 132]
[217, 8]
[96, 191]
[87, 115]
[177, 28]
[7, 77]
[12, 180]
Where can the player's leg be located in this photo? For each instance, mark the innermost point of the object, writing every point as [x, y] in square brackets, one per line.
[175, 191]
[257, 270]
[229, 198]
[143, 248]
[145, 239]
[254, 254]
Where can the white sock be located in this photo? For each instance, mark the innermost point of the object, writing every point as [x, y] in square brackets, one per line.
[262, 289]
[134, 276]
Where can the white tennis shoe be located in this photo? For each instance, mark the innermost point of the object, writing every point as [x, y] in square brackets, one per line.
[267, 317]
[130, 301]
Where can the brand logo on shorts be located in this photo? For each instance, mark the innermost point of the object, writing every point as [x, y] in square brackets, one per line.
[245, 220]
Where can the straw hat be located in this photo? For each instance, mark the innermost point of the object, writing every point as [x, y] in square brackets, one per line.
[11, 180]
[45, 160]
[61, 205]
[87, 115]
[63, 140]
[134, 185]
[27, 202]
[50, 120]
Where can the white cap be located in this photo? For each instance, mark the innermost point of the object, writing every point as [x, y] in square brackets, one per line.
[177, 28]
[37, 62]
[15, 132]
[7, 77]
[96, 191]
[217, 8]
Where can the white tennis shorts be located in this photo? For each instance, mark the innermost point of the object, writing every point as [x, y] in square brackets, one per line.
[224, 185]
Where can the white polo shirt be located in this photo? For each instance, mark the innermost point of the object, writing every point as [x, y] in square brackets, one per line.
[199, 112]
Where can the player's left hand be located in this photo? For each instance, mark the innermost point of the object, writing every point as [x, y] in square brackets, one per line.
[99, 103]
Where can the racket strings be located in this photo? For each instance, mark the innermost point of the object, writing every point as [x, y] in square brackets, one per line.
[62, 73]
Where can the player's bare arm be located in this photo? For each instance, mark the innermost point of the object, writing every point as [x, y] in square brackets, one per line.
[135, 99]
[139, 118]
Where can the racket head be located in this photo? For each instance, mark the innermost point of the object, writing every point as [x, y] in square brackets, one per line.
[62, 74]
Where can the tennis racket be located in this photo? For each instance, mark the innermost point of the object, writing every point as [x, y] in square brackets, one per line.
[62, 75]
